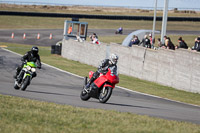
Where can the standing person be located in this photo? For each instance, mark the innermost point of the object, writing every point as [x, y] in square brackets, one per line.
[29, 56]
[105, 64]
[146, 42]
[182, 43]
[152, 40]
[159, 43]
[70, 29]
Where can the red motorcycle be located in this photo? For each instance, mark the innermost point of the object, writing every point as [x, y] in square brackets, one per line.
[101, 88]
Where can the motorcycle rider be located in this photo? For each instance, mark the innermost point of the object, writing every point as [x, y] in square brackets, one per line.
[119, 30]
[31, 55]
[103, 68]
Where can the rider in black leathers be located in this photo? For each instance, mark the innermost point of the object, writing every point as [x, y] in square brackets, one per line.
[103, 68]
[29, 56]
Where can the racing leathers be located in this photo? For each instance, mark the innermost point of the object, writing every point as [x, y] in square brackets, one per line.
[29, 56]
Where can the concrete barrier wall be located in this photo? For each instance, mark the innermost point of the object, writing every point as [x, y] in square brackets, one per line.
[179, 69]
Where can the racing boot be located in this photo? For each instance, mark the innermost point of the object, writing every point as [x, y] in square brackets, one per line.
[15, 76]
[18, 69]
[87, 86]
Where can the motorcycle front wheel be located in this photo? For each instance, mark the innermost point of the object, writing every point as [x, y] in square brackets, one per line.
[25, 83]
[105, 94]
[84, 95]
[16, 86]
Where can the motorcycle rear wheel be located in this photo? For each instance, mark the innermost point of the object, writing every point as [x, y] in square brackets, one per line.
[25, 83]
[103, 97]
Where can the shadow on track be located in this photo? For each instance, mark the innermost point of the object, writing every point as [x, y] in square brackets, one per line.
[49, 93]
[128, 105]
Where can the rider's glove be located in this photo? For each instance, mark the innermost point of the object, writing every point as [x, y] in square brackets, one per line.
[24, 61]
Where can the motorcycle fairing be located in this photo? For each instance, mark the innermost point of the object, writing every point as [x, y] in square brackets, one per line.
[32, 64]
[108, 85]
[91, 74]
[100, 81]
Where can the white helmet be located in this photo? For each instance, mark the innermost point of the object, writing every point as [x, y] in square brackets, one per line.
[114, 59]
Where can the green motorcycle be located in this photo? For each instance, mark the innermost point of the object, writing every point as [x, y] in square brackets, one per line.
[25, 76]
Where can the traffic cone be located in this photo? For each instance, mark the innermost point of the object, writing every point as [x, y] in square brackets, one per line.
[51, 36]
[24, 36]
[38, 36]
[12, 36]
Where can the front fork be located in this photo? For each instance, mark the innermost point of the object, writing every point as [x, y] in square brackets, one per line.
[85, 80]
[20, 76]
[104, 88]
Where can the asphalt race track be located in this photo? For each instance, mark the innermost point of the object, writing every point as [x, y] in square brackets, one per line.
[57, 35]
[52, 85]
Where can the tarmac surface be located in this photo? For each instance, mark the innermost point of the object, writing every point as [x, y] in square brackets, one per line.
[53, 85]
[57, 35]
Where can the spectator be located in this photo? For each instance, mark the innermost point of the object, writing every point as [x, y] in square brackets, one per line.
[159, 43]
[131, 42]
[70, 29]
[197, 44]
[166, 41]
[170, 45]
[137, 41]
[182, 43]
[96, 41]
[146, 42]
[152, 41]
[134, 41]
[93, 37]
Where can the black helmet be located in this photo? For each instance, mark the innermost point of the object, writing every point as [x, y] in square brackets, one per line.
[34, 50]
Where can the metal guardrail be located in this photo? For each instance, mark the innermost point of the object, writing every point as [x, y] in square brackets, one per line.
[88, 16]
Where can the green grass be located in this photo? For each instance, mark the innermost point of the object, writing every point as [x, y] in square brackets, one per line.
[19, 115]
[20, 22]
[125, 81]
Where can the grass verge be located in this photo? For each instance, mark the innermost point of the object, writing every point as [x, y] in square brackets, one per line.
[125, 81]
[19, 115]
[21, 22]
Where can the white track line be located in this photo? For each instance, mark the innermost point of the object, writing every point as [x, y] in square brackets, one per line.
[116, 86]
